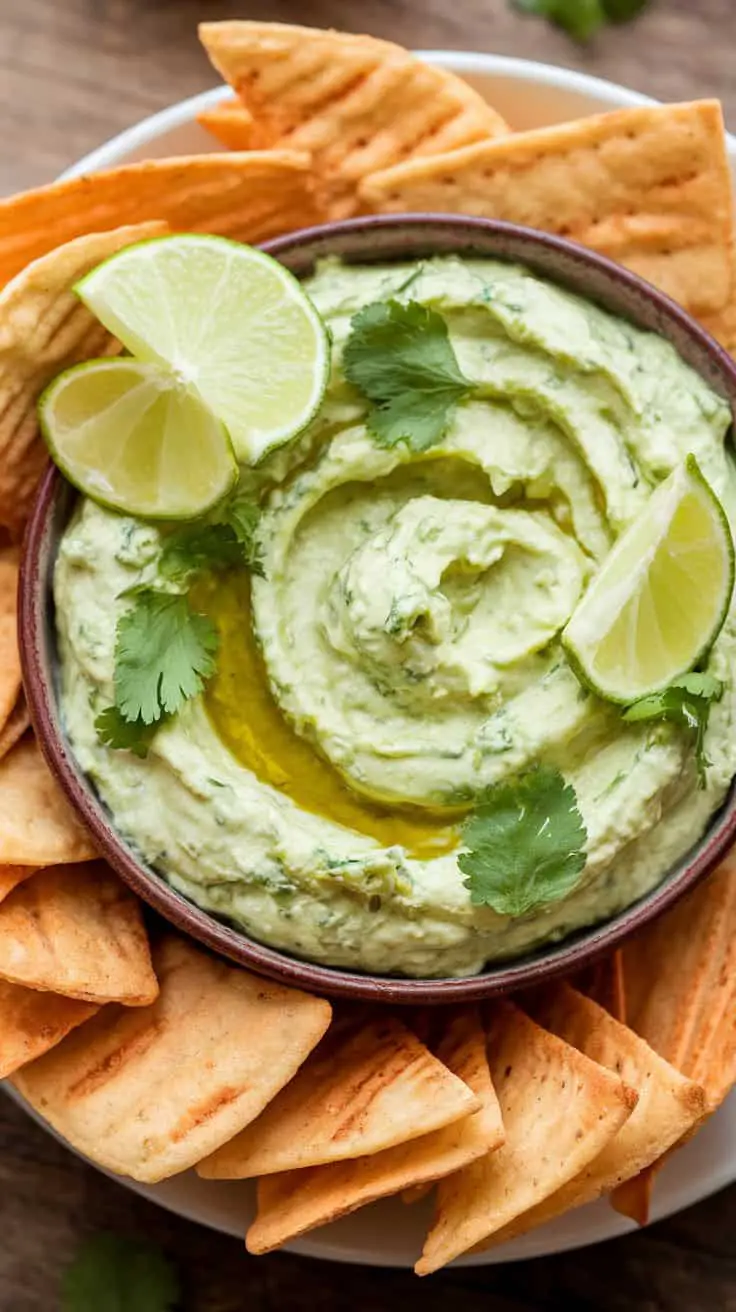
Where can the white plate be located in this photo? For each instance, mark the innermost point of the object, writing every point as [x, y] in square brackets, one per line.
[390, 1234]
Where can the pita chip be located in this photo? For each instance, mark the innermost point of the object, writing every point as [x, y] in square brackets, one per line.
[681, 982]
[293, 1202]
[649, 187]
[354, 103]
[32, 1023]
[10, 679]
[12, 876]
[667, 1104]
[147, 1092]
[231, 124]
[45, 328]
[372, 1086]
[77, 930]
[37, 825]
[559, 1111]
[15, 726]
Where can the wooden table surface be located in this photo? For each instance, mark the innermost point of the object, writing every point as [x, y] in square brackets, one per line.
[72, 73]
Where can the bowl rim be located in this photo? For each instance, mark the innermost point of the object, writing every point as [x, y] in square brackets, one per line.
[569, 954]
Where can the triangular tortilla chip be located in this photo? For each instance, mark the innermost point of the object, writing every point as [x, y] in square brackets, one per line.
[681, 982]
[37, 825]
[649, 187]
[78, 931]
[668, 1104]
[355, 103]
[12, 876]
[15, 726]
[44, 328]
[250, 196]
[32, 1023]
[293, 1202]
[149, 1092]
[232, 124]
[10, 681]
[559, 1110]
[370, 1087]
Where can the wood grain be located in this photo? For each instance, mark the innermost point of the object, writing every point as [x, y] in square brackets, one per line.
[72, 73]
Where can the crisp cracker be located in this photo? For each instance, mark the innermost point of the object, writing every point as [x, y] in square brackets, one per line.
[78, 931]
[12, 876]
[45, 328]
[667, 1106]
[147, 1092]
[370, 1087]
[231, 124]
[293, 1202]
[354, 103]
[37, 825]
[249, 196]
[32, 1023]
[681, 980]
[15, 726]
[649, 187]
[10, 678]
[559, 1111]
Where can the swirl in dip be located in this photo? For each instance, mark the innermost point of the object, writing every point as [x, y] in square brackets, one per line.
[401, 652]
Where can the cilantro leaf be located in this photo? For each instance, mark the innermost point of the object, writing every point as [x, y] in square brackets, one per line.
[242, 516]
[205, 547]
[163, 654]
[231, 541]
[126, 735]
[110, 1274]
[581, 19]
[526, 844]
[401, 358]
[687, 702]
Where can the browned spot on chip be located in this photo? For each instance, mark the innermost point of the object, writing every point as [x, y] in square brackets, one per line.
[151, 1091]
[78, 931]
[366, 1089]
[559, 1111]
[44, 328]
[649, 187]
[32, 1023]
[250, 196]
[293, 1202]
[355, 103]
[37, 825]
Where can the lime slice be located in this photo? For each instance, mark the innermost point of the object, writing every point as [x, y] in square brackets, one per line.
[131, 437]
[229, 321]
[661, 596]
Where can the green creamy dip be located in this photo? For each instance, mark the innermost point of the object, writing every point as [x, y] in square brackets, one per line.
[407, 649]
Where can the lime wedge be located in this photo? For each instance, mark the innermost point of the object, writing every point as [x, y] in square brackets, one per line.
[132, 438]
[661, 596]
[230, 322]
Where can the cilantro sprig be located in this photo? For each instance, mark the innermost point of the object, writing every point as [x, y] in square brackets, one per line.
[687, 702]
[526, 844]
[401, 358]
[112, 1274]
[164, 650]
[581, 19]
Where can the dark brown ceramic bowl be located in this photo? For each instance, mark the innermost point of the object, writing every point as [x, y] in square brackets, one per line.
[366, 240]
